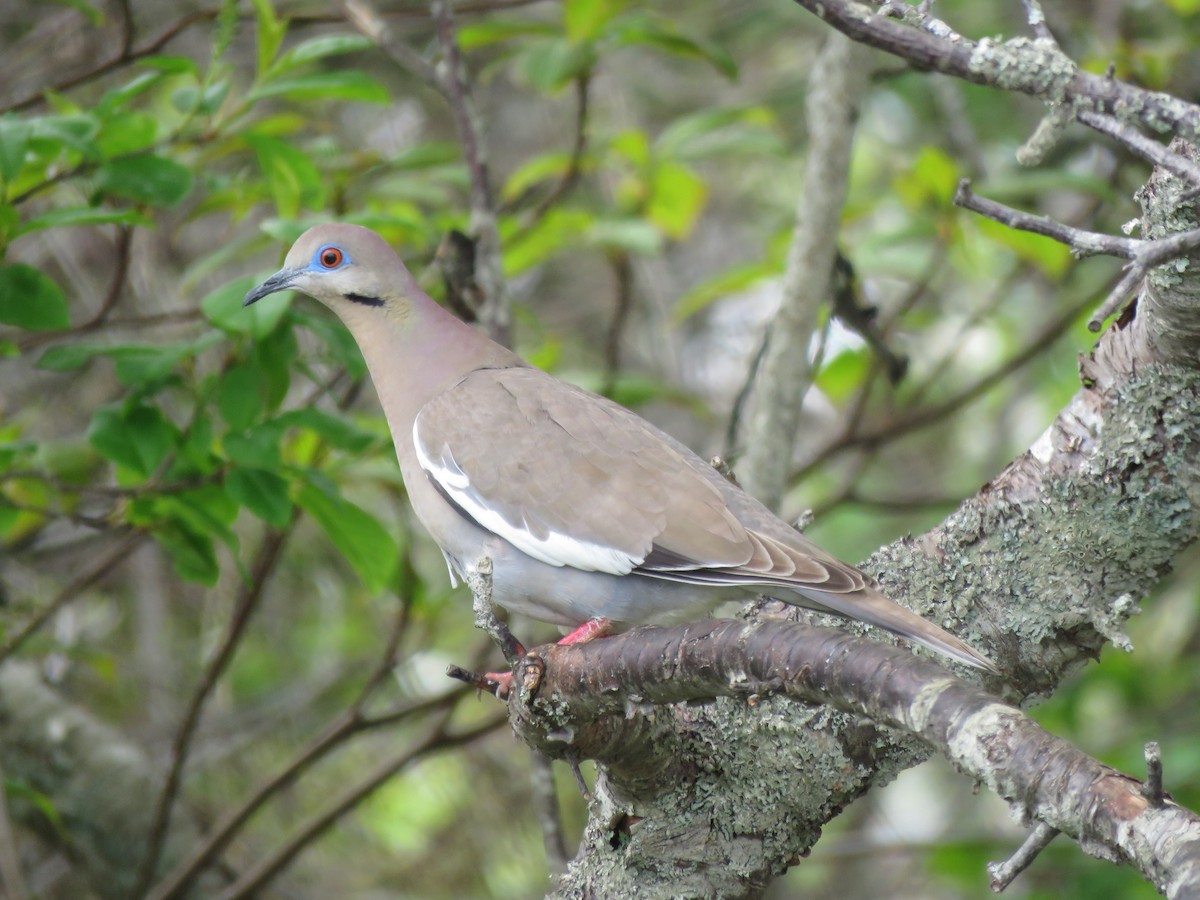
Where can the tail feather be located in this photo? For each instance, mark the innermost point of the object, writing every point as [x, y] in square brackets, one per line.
[872, 607]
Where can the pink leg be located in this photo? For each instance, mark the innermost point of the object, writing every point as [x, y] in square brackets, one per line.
[592, 628]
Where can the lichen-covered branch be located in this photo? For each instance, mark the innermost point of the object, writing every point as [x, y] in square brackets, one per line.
[589, 697]
[1028, 66]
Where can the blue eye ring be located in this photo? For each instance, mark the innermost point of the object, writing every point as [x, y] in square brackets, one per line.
[329, 257]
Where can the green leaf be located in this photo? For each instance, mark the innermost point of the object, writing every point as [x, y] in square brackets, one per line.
[258, 448]
[83, 215]
[171, 65]
[125, 133]
[274, 355]
[842, 375]
[677, 197]
[186, 524]
[932, 179]
[291, 176]
[714, 132]
[643, 29]
[336, 431]
[192, 553]
[54, 133]
[223, 308]
[149, 179]
[632, 235]
[488, 31]
[430, 154]
[228, 20]
[538, 169]
[138, 438]
[548, 65]
[721, 285]
[319, 48]
[340, 84]
[30, 299]
[118, 97]
[263, 493]
[14, 136]
[359, 537]
[270, 33]
[584, 19]
[334, 335]
[10, 222]
[239, 397]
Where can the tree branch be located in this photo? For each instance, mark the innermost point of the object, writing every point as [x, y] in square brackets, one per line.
[591, 696]
[1034, 67]
[839, 80]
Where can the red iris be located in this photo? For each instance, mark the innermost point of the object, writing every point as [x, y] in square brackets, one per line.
[331, 257]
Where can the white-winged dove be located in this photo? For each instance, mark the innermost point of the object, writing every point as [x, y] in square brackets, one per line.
[593, 518]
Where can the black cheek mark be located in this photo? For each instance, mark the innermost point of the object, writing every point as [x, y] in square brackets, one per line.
[365, 300]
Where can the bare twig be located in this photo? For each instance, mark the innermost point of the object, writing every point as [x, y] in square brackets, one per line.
[1001, 874]
[574, 170]
[366, 18]
[622, 267]
[1138, 143]
[436, 738]
[922, 418]
[480, 583]
[1142, 255]
[494, 314]
[1037, 21]
[1152, 790]
[109, 561]
[247, 601]
[545, 804]
[116, 287]
[1082, 243]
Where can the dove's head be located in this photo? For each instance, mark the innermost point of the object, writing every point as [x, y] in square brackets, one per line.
[349, 268]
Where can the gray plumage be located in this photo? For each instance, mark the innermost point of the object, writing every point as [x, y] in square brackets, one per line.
[586, 510]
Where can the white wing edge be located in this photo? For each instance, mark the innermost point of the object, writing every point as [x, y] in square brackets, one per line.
[556, 549]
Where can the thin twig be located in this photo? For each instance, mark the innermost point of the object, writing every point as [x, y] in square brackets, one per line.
[251, 882]
[574, 169]
[1001, 874]
[116, 288]
[494, 314]
[923, 418]
[247, 601]
[1082, 243]
[1142, 255]
[1143, 146]
[1037, 21]
[622, 267]
[109, 561]
[1152, 790]
[366, 18]
[545, 805]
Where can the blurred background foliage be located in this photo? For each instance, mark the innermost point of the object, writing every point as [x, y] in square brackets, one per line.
[171, 463]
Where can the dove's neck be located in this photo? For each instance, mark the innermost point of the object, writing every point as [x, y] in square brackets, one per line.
[415, 350]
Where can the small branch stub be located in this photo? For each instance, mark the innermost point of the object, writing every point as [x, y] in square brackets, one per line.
[1001, 874]
[1152, 790]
